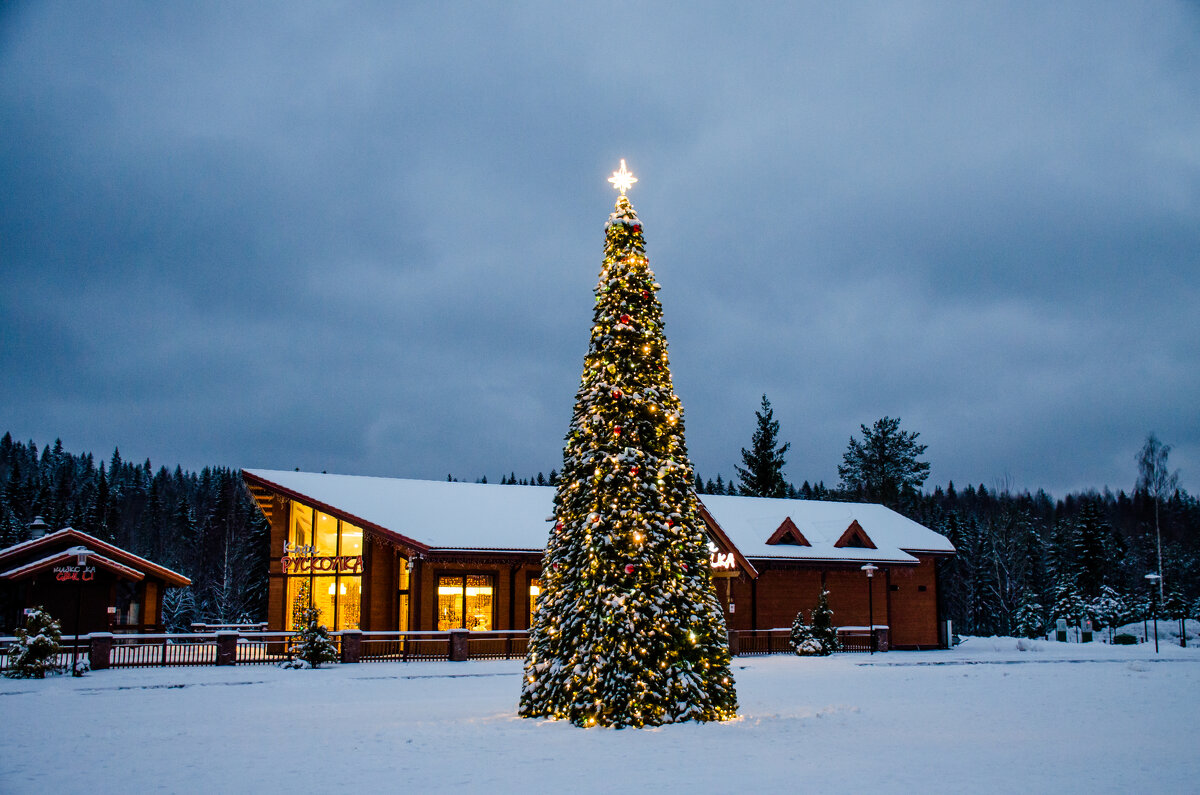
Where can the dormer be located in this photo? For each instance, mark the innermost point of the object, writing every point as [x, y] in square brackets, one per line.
[855, 537]
[788, 533]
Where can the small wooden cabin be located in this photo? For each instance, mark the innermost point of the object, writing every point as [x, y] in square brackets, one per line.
[71, 573]
[385, 554]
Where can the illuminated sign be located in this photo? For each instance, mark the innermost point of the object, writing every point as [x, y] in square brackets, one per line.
[312, 564]
[74, 573]
[720, 561]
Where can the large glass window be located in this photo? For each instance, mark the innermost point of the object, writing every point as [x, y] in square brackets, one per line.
[323, 569]
[465, 602]
[326, 535]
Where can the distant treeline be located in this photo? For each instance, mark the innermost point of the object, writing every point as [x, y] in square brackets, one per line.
[204, 525]
[1023, 559]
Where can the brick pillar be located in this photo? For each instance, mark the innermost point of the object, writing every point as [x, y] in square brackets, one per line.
[458, 645]
[351, 645]
[881, 638]
[99, 650]
[733, 643]
[227, 648]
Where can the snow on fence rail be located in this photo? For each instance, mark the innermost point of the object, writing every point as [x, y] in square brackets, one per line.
[265, 647]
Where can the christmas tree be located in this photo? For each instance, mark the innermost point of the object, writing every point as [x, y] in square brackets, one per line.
[313, 644]
[37, 647]
[628, 629]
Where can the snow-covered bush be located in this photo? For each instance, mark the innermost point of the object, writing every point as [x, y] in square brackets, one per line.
[314, 646]
[819, 638]
[1124, 639]
[38, 645]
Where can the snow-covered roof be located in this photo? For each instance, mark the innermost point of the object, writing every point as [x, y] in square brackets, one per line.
[68, 556]
[114, 554]
[750, 521]
[476, 516]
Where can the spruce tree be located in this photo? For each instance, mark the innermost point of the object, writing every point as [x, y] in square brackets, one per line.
[313, 644]
[628, 629]
[37, 647]
[763, 473]
[823, 630]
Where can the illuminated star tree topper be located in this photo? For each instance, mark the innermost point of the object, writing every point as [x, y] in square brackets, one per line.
[622, 180]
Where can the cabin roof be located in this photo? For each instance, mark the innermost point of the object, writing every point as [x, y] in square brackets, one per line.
[442, 515]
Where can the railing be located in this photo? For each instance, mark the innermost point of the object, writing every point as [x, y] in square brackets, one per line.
[267, 648]
[135, 651]
[501, 645]
[756, 642]
[256, 647]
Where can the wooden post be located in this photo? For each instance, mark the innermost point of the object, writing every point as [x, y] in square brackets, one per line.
[459, 648]
[351, 645]
[227, 648]
[99, 650]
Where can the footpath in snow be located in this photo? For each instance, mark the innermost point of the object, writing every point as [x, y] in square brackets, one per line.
[983, 717]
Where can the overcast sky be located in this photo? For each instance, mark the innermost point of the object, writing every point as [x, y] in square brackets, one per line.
[363, 239]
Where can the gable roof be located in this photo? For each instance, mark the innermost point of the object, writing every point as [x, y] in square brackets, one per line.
[70, 537]
[67, 556]
[431, 515]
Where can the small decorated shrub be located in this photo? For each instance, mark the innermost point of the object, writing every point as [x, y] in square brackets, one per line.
[314, 644]
[37, 648]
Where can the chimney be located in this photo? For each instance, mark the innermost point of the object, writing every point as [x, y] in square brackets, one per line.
[38, 527]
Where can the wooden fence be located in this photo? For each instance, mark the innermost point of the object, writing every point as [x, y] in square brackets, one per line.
[232, 647]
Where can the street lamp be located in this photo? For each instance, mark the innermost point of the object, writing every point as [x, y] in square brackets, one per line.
[81, 557]
[870, 569]
[1154, 579]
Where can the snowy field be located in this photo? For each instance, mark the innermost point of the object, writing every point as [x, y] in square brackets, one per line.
[984, 717]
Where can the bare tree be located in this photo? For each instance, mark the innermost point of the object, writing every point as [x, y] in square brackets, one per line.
[1157, 480]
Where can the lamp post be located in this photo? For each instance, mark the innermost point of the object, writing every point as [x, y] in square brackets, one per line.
[1154, 580]
[81, 556]
[870, 569]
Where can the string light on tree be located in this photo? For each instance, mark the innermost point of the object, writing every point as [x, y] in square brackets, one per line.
[627, 630]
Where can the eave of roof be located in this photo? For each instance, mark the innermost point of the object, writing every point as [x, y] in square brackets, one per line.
[94, 559]
[119, 556]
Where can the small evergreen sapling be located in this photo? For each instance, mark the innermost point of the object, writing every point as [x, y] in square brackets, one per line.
[821, 637]
[1029, 619]
[314, 646]
[38, 646]
[802, 638]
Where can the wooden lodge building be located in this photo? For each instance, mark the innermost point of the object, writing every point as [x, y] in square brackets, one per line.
[71, 573]
[385, 554]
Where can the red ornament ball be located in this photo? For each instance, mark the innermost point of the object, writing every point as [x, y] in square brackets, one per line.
[625, 319]
[616, 430]
[670, 523]
[684, 566]
[616, 394]
[645, 293]
[558, 526]
[633, 470]
[629, 568]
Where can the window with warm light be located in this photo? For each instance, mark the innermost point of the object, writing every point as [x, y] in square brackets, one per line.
[318, 537]
[465, 602]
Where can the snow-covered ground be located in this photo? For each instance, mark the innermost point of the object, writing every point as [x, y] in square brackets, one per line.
[984, 717]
